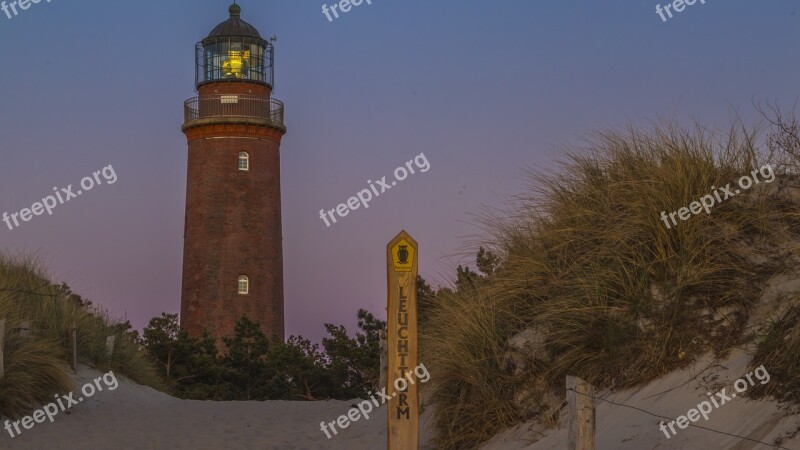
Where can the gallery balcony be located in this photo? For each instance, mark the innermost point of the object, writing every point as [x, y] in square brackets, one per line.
[233, 108]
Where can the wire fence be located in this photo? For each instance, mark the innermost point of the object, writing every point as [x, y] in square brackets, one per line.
[22, 331]
[659, 416]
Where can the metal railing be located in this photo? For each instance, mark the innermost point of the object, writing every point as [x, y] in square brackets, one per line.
[233, 106]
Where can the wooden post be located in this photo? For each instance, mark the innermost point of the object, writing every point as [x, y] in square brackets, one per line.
[383, 359]
[110, 346]
[24, 329]
[403, 407]
[2, 344]
[580, 414]
[74, 342]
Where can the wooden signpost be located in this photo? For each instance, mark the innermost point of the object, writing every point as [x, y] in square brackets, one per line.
[401, 384]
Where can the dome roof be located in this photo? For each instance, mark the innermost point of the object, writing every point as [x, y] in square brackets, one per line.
[235, 26]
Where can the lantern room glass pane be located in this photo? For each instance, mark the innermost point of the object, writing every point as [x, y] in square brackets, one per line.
[234, 59]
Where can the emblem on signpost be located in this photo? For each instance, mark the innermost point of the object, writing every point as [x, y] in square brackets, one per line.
[403, 256]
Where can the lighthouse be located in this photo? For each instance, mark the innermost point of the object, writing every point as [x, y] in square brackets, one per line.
[233, 251]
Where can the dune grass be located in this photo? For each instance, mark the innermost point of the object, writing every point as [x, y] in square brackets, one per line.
[37, 366]
[779, 352]
[467, 380]
[618, 298]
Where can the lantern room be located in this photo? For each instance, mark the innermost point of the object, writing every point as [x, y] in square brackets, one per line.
[234, 51]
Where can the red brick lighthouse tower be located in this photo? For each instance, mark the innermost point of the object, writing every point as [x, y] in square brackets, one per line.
[233, 251]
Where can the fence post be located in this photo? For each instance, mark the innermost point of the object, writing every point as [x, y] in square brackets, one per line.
[74, 342]
[110, 346]
[2, 344]
[24, 329]
[580, 414]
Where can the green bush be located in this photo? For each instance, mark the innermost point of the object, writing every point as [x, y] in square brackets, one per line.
[251, 367]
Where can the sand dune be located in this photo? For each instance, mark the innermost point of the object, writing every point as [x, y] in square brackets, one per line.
[620, 428]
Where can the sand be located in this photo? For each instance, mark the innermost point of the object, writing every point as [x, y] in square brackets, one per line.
[620, 428]
[137, 417]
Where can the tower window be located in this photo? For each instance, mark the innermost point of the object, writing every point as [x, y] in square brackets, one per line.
[244, 285]
[244, 161]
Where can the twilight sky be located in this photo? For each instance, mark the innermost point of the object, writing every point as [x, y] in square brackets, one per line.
[484, 89]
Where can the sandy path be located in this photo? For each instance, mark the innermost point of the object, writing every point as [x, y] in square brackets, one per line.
[137, 417]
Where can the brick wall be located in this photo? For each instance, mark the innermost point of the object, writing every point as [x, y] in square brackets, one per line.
[233, 228]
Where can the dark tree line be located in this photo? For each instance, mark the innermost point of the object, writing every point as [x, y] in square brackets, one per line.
[254, 367]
